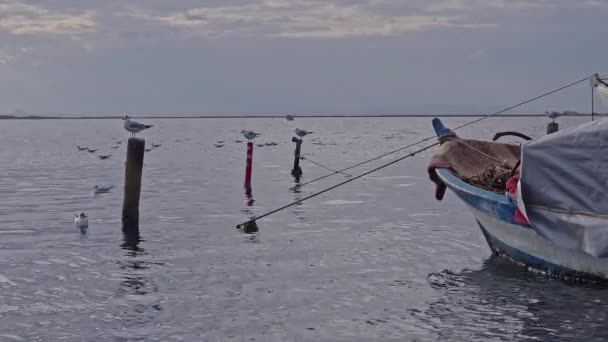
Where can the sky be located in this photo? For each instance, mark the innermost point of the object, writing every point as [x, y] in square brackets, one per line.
[244, 57]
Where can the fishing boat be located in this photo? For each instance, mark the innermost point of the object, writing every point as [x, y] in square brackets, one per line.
[541, 203]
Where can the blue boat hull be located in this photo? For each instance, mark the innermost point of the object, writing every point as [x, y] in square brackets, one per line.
[494, 214]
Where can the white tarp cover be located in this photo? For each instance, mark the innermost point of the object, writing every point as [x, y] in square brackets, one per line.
[564, 184]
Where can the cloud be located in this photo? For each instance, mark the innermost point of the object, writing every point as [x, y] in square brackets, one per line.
[301, 19]
[24, 19]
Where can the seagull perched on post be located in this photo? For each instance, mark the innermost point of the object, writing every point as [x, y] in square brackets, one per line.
[553, 115]
[250, 135]
[302, 133]
[134, 126]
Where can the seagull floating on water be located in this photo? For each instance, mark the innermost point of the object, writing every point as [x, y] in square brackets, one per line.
[250, 135]
[90, 150]
[102, 189]
[81, 148]
[104, 156]
[81, 221]
[156, 145]
[218, 145]
[289, 117]
[302, 133]
[134, 126]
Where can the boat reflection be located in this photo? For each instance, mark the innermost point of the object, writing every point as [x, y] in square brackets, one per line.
[507, 302]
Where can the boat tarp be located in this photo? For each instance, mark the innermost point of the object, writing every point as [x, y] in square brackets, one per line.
[564, 186]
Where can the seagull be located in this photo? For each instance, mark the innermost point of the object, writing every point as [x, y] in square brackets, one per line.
[81, 221]
[250, 135]
[104, 156]
[102, 189]
[81, 148]
[238, 141]
[156, 145]
[91, 150]
[289, 117]
[218, 145]
[302, 133]
[553, 115]
[134, 126]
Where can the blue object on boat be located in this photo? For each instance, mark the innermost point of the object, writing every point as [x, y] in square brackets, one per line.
[440, 129]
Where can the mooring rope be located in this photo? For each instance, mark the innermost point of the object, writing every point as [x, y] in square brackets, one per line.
[323, 166]
[433, 137]
[251, 222]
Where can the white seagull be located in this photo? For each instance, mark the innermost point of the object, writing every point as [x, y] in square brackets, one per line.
[302, 133]
[81, 221]
[250, 135]
[134, 126]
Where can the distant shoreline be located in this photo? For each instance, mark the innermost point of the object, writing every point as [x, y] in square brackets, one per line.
[40, 117]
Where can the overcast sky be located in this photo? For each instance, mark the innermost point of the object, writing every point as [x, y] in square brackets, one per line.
[304, 56]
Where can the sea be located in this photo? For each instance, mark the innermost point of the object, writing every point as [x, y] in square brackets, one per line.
[377, 259]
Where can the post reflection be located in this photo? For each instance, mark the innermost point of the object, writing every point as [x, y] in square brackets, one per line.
[250, 228]
[137, 289]
[131, 238]
[249, 196]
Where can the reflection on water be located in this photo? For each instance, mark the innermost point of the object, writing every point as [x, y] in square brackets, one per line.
[504, 301]
[350, 265]
[249, 196]
[138, 294]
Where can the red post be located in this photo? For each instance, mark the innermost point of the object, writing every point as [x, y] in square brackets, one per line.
[249, 164]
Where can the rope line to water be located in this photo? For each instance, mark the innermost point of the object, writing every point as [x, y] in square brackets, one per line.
[323, 166]
[432, 137]
[411, 154]
[337, 185]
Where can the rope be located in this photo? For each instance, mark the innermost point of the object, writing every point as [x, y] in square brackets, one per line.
[251, 222]
[323, 166]
[432, 137]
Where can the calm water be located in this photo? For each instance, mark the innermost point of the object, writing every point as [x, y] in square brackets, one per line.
[376, 260]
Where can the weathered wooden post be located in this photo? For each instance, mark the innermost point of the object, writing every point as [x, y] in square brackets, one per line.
[552, 127]
[130, 206]
[297, 171]
[249, 164]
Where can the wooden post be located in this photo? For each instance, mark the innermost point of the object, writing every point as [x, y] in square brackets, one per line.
[130, 206]
[552, 127]
[249, 164]
[297, 171]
